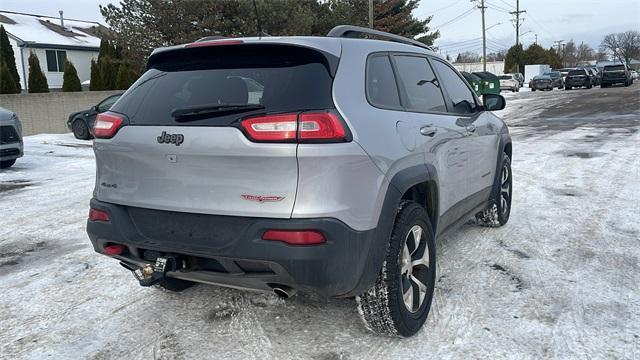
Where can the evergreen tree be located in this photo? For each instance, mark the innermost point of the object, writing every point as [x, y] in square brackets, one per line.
[71, 82]
[108, 72]
[514, 60]
[37, 81]
[126, 77]
[7, 86]
[95, 83]
[10, 78]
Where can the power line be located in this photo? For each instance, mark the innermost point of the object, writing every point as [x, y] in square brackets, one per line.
[506, 3]
[457, 18]
[446, 7]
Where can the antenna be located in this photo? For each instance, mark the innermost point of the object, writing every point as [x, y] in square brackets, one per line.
[255, 9]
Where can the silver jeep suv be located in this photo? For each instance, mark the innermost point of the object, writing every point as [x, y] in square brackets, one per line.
[318, 164]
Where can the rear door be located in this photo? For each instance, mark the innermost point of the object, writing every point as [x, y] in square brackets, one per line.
[170, 157]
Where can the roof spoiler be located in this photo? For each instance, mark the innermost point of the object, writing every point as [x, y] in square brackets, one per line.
[350, 31]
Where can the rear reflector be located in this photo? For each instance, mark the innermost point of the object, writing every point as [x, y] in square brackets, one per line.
[214, 43]
[98, 215]
[295, 237]
[113, 249]
[307, 127]
[106, 125]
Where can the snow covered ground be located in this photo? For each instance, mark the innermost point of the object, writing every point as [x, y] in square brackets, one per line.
[561, 280]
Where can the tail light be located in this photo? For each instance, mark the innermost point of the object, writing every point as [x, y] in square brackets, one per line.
[305, 127]
[98, 215]
[107, 124]
[295, 237]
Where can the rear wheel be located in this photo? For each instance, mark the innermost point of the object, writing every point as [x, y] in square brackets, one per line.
[567, 87]
[497, 214]
[398, 303]
[7, 163]
[80, 130]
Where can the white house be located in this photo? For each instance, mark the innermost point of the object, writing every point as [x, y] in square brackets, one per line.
[52, 39]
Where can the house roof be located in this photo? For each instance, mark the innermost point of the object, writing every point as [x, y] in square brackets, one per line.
[45, 31]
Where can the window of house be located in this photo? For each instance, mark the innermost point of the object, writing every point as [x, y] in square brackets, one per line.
[55, 60]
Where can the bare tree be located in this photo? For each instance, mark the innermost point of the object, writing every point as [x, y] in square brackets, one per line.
[584, 53]
[569, 54]
[468, 57]
[623, 46]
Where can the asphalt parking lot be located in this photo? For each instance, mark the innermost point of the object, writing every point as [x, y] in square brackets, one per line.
[559, 281]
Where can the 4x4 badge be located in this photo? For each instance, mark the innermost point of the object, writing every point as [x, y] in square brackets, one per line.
[165, 138]
[261, 198]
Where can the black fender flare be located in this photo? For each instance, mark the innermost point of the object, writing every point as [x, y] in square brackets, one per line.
[398, 185]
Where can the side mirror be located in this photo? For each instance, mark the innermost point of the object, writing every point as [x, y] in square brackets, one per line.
[493, 102]
[94, 108]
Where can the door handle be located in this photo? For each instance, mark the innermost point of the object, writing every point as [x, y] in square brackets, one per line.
[471, 128]
[428, 130]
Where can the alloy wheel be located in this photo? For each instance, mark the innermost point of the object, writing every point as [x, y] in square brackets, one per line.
[415, 269]
[505, 189]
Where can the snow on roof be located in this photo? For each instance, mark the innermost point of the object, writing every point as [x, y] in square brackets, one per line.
[39, 29]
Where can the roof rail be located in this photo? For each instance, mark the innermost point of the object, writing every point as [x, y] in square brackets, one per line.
[350, 31]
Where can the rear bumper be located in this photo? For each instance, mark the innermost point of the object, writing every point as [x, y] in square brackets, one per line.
[613, 81]
[578, 82]
[229, 251]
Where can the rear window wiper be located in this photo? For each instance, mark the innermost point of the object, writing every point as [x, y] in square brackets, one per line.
[192, 113]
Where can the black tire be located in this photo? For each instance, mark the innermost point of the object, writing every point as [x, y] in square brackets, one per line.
[497, 214]
[589, 86]
[382, 307]
[567, 87]
[175, 285]
[532, 89]
[7, 163]
[80, 130]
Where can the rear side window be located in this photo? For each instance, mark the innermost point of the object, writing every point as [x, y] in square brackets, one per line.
[462, 99]
[382, 90]
[420, 84]
[279, 78]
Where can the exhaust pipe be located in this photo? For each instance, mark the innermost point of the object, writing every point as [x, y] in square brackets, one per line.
[284, 292]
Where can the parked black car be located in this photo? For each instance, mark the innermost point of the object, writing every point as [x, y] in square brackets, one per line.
[616, 74]
[577, 78]
[541, 82]
[81, 122]
[556, 79]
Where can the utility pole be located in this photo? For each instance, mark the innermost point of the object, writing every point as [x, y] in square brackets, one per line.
[536, 38]
[484, 37]
[371, 14]
[517, 22]
[559, 43]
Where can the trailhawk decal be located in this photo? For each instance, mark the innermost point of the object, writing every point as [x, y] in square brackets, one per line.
[261, 198]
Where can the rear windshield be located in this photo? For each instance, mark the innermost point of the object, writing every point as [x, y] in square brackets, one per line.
[275, 78]
[505, 77]
[614, 68]
[577, 72]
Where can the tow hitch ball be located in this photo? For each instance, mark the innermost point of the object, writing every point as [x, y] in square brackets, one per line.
[151, 274]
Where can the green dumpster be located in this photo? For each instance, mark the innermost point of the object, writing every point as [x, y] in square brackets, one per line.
[490, 82]
[474, 81]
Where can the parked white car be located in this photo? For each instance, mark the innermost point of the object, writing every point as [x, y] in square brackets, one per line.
[634, 75]
[509, 82]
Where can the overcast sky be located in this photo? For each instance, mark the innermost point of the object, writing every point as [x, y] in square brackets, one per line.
[460, 27]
